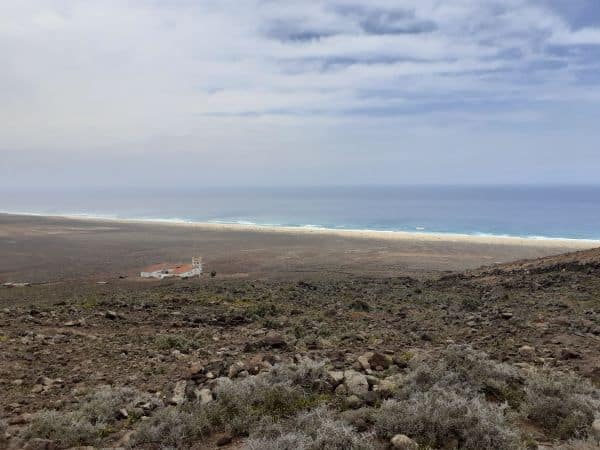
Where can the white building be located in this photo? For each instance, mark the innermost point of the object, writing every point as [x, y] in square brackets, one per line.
[161, 271]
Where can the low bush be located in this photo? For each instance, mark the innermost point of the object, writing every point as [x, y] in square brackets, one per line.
[241, 404]
[92, 419]
[238, 407]
[314, 430]
[174, 342]
[3, 430]
[438, 417]
[580, 444]
[459, 367]
[103, 405]
[308, 374]
[66, 429]
[172, 427]
[563, 404]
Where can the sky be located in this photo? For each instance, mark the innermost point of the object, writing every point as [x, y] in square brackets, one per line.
[285, 92]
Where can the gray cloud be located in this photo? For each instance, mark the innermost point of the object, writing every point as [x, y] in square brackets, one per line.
[275, 84]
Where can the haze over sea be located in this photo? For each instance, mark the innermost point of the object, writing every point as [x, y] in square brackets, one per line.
[537, 212]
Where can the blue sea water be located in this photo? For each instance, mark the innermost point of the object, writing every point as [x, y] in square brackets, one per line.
[549, 211]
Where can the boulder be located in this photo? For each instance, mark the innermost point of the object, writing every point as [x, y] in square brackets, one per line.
[379, 361]
[40, 444]
[204, 395]
[224, 439]
[111, 315]
[235, 369]
[596, 429]
[353, 402]
[386, 387]
[569, 353]
[341, 390]
[403, 442]
[527, 352]
[178, 393]
[356, 382]
[363, 360]
[336, 376]
[274, 340]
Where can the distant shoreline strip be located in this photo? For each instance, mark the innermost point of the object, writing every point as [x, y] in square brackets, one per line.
[315, 229]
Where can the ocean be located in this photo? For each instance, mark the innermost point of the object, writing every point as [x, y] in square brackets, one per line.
[534, 212]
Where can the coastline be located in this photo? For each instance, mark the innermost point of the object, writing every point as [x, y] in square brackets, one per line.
[415, 236]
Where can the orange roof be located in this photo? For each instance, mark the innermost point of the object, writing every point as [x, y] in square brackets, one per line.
[178, 270]
[172, 268]
[156, 267]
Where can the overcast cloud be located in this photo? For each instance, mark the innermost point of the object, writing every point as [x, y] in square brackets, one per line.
[235, 92]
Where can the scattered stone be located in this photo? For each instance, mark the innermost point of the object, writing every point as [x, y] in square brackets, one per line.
[196, 371]
[111, 315]
[224, 439]
[122, 414]
[568, 353]
[271, 340]
[20, 420]
[178, 393]
[403, 442]
[40, 444]
[386, 388]
[372, 380]
[506, 315]
[235, 369]
[371, 398]
[337, 376]
[496, 294]
[356, 383]
[379, 361]
[274, 340]
[353, 402]
[527, 351]
[596, 429]
[363, 360]
[341, 390]
[204, 396]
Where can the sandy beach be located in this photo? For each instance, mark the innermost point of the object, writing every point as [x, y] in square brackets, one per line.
[40, 248]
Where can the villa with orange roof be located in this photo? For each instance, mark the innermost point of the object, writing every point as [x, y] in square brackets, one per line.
[165, 270]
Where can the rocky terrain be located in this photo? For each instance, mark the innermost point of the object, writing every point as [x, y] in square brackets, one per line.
[506, 356]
